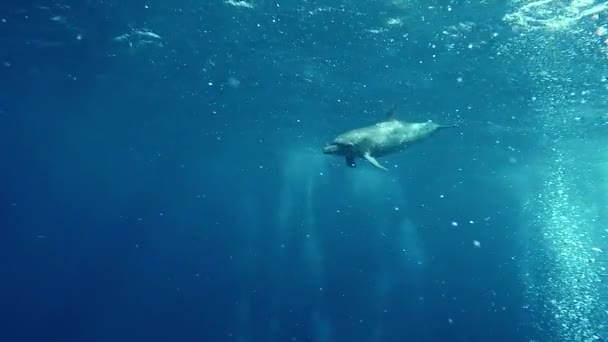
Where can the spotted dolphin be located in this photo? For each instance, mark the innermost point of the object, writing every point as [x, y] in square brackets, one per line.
[385, 137]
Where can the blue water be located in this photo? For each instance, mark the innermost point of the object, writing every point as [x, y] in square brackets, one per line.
[174, 189]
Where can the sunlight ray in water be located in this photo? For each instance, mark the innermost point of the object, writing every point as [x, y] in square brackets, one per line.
[303, 176]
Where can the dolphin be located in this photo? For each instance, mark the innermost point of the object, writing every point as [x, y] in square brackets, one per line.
[385, 137]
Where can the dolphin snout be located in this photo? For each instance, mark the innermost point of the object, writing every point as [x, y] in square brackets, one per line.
[330, 149]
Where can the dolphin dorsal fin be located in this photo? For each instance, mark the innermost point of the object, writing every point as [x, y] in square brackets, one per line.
[391, 114]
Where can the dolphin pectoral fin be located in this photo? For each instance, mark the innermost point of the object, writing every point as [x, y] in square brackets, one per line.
[373, 161]
[350, 161]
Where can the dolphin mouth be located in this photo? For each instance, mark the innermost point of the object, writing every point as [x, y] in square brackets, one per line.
[330, 149]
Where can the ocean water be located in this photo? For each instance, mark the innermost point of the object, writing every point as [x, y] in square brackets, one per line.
[162, 176]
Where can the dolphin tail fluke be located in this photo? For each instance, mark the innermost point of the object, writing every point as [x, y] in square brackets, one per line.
[374, 162]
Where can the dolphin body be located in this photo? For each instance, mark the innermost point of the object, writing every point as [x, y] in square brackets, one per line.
[385, 137]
